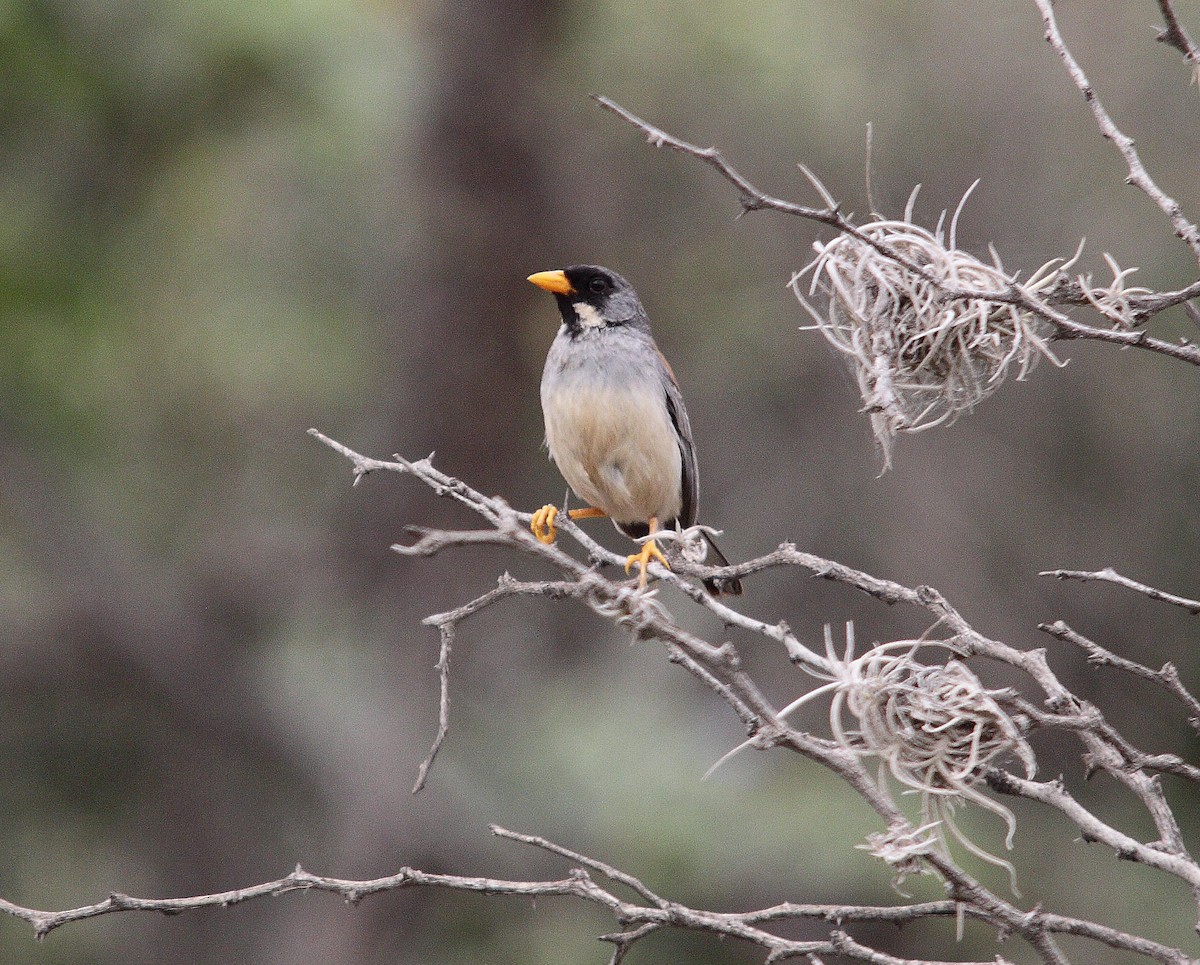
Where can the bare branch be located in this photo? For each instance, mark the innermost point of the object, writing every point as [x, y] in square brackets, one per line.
[1174, 35]
[446, 631]
[624, 940]
[1055, 794]
[639, 920]
[1116, 939]
[1089, 719]
[430, 542]
[614, 874]
[1167, 677]
[45, 922]
[752, 199]
[1109, 575]
[1184, 229]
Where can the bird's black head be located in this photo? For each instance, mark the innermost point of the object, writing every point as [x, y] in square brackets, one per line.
[590, 297]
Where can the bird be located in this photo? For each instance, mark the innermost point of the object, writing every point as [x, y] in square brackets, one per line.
[616, 426]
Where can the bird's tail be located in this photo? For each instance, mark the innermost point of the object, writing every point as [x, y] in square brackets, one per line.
[730, 586]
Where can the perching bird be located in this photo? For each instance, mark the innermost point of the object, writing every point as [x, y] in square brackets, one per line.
[615, 422]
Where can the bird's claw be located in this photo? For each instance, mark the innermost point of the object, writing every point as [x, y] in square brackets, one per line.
[542, 524]
[650, 551]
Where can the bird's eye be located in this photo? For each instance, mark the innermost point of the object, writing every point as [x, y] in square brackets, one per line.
[598, 285]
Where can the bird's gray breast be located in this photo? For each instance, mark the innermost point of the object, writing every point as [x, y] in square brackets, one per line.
[607, 424]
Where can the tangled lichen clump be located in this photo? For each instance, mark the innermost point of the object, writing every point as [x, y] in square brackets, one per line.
[922, 356]
[935, 727]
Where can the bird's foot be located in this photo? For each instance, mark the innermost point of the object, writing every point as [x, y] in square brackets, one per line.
[650, 551]
[542, 524]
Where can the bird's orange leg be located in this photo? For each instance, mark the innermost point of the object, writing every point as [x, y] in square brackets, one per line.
[543, 526]
[650, 551]
[587, 512]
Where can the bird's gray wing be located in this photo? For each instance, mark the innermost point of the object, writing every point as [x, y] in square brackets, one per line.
[690, 487]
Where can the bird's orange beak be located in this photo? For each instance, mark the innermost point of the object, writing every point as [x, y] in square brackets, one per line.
[553, 281]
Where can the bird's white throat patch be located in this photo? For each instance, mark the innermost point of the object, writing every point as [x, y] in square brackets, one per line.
[588, 316]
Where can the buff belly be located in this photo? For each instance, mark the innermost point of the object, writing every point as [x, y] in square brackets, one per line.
[617, 449]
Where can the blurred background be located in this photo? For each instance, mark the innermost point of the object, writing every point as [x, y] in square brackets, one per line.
[225, 222]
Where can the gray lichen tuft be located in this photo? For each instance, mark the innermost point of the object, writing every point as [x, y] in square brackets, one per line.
[922, 357]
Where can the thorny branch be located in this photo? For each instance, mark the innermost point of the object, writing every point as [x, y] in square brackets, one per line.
[719, 667]
[1166, 677]
[1175, 36]
[1138, 307]
[1109, 575]
[1138, 175]
[907, 848]
[637, 919]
